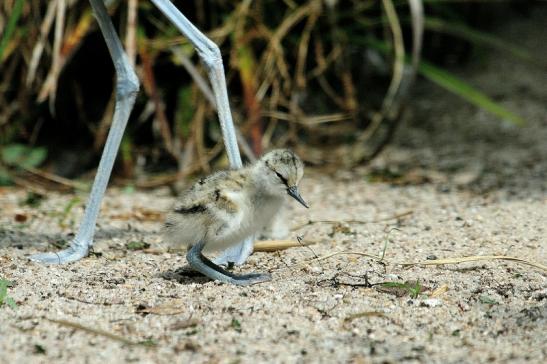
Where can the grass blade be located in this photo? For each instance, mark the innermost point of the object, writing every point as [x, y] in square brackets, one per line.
[453, 84]
[393, 92]
[467, 92]
[476, 258]
[10, 28]
[480, 38]
[417, 21]
[99, 332]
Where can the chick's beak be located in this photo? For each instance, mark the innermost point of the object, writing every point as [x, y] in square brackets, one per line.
[293, 192]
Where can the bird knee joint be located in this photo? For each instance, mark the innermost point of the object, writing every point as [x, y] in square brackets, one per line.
[212, 57]
[126, 88]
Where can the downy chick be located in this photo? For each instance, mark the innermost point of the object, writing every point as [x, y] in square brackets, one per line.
[226, 207]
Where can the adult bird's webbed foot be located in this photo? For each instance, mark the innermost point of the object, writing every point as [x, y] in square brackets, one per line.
[75, 252]
[203, 265]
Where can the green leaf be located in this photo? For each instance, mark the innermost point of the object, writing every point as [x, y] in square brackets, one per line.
[488, 300]
[34, 158]
[137, 245]
[148, 343]
[11, 154]
[19, 155]
[411, 288]
[3, 290]
[236, 325]
[394, 285]
[4, 298]
[11, 303]
[32, 199]
[5, 177]
[129, 189]
[415, 290]
[39, 349]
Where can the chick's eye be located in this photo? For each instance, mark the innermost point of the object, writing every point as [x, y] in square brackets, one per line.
[283, 179]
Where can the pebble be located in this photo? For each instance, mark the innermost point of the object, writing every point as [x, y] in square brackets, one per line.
[315, 270]
[431, 302]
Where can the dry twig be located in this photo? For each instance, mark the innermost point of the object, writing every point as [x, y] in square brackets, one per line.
[90, 330]
[476, 258]
[275, 245]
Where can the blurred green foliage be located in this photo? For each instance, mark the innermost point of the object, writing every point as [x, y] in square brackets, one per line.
[4, 298]
[307, 74]
[19, 156]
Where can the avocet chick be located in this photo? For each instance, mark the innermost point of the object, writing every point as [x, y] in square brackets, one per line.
[227, 207]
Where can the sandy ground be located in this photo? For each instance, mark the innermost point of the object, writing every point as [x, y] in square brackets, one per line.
[466, 184]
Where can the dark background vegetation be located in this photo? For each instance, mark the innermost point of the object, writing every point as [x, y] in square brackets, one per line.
[311, 75]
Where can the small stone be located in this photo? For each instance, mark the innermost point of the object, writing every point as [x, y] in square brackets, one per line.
[21, 217]
[431, 302]
[315, 270]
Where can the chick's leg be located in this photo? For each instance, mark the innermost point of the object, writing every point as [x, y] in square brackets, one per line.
[210, 55]
[203, 265]
[236, 254]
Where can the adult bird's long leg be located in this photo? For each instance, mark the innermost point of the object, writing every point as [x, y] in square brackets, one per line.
[210, 55]
[127, 87]
[205, 266]
[212, 59]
